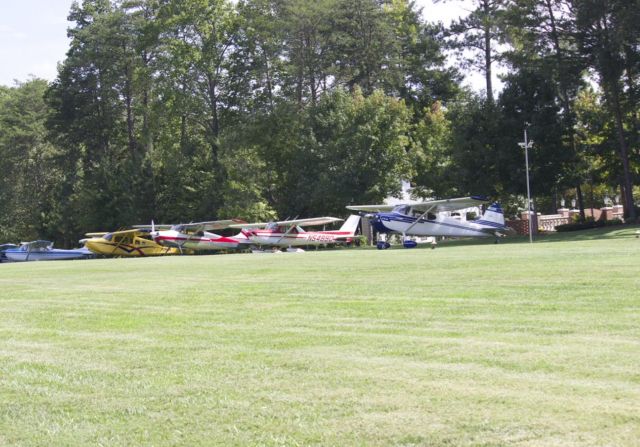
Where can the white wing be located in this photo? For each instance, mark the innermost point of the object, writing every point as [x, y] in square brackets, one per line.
[195, 226]
[288, 223]
[431, 205]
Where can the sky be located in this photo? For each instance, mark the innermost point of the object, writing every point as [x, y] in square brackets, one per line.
[33, 35]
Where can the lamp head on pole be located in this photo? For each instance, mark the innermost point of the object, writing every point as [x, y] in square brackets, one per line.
[526, 145]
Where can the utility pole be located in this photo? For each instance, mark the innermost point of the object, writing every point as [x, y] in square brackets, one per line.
[527, 145]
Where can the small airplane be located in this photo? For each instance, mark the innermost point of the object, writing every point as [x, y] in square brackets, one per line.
[197, 236]
[129, 243]
[424, 219]
[289, 233]
[44, 251]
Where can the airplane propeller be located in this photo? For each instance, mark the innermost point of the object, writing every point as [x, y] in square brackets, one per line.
[153, 233]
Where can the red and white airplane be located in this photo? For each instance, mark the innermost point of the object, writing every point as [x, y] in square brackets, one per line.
[290, 233]
[197, 236]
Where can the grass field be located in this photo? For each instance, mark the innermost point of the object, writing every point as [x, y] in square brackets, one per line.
[469, 344]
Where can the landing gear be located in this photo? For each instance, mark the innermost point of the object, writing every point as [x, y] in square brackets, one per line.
[408, 243]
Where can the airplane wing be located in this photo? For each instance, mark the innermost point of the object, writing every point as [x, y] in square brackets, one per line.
[117, 233]
[378, 208]
[429, 205]
[451, 204]
[195, 226]
[156, 226]
[301, 222]
[38, 244]
[212, 225]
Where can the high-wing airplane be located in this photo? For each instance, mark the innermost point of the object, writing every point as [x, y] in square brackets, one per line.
[290, 233]
[197, 236]
[128, 243]
[424, 219]
[43, 251]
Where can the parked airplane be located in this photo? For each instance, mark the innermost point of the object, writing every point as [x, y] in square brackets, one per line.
[197, 236]
[127, 243]
[289, 233]
[44, 251]
[423, 219]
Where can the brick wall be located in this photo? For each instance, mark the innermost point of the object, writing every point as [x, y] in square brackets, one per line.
[548, 222]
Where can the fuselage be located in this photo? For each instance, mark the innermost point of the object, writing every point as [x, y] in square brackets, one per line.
[204, 241]
[281, 238]
[114, 245]
[44, 254]
[439, 226]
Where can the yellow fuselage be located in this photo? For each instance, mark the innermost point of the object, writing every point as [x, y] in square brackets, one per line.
[136, 246]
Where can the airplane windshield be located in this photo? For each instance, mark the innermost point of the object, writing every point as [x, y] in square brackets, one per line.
[108, 236]
[272, 226]
[178, 228]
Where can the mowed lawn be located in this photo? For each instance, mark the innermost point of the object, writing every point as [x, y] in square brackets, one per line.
[471, 345]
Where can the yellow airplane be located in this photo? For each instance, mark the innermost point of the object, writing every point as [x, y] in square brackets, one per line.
[126, 243]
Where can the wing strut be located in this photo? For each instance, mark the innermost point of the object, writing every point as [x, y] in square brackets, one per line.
[418, 219]
[284, 234]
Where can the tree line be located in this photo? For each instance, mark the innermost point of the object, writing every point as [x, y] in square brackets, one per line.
[187, 110]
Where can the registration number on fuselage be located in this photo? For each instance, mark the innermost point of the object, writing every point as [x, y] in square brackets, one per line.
[320, 237]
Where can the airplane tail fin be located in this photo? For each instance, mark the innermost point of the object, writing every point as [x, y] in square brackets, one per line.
[492, 217]
[351, 224]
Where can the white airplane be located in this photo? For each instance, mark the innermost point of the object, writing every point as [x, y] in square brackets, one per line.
[425, 219]
[289, 233]
[196, 236]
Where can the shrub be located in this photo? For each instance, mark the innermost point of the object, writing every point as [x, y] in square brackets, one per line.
[588, 224]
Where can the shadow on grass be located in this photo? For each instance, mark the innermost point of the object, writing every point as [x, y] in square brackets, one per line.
[614, 232]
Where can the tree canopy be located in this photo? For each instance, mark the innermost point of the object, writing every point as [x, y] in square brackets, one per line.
[198, 109]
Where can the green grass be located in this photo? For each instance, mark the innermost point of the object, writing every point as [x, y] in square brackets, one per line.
[469, 344]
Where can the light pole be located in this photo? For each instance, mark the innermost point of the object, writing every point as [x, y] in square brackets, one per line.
[527, 145]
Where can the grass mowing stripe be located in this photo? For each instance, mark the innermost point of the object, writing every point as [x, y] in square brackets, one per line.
[469, 344]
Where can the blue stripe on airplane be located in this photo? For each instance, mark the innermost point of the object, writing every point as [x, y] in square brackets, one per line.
[407, 219]
[489, 223]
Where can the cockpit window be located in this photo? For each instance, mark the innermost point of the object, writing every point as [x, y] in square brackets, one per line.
[108, 236]
[408, 211]
[402, 209]
[272, 226]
